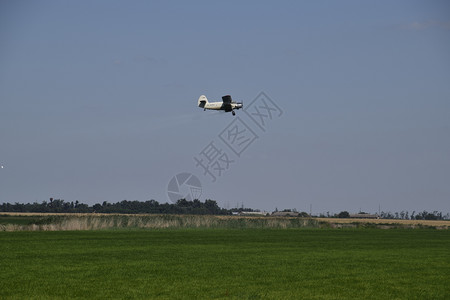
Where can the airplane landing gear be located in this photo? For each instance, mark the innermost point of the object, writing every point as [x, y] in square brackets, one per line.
[233, 112]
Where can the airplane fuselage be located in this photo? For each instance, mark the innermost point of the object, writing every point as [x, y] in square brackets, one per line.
[222, 106]
[227, 104]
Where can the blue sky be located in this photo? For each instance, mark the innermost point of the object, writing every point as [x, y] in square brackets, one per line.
[98, 101]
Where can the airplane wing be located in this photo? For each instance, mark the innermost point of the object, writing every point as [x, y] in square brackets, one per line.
[226, 99]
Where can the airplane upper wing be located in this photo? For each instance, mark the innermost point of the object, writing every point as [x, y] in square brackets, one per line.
[226, 99]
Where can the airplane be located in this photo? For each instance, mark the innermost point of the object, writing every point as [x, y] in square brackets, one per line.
[227, 104]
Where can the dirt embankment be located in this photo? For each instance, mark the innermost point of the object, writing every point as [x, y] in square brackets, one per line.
[385, 223]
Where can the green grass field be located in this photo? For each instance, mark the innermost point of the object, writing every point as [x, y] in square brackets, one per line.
[226, 263]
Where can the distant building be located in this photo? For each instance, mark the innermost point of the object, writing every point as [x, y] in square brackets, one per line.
[364, 216]
[253, 213]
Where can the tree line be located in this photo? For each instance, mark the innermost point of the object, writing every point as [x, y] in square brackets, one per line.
[182, 206]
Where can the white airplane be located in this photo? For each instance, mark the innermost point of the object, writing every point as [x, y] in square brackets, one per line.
[227, 104]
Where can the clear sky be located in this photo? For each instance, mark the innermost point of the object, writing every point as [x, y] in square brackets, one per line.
[98, 101]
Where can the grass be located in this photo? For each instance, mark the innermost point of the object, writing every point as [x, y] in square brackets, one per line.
[55, 222]
[58, 222]
[226, 263]
[25, 221]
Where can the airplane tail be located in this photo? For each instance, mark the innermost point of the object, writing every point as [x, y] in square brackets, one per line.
[202, 101]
